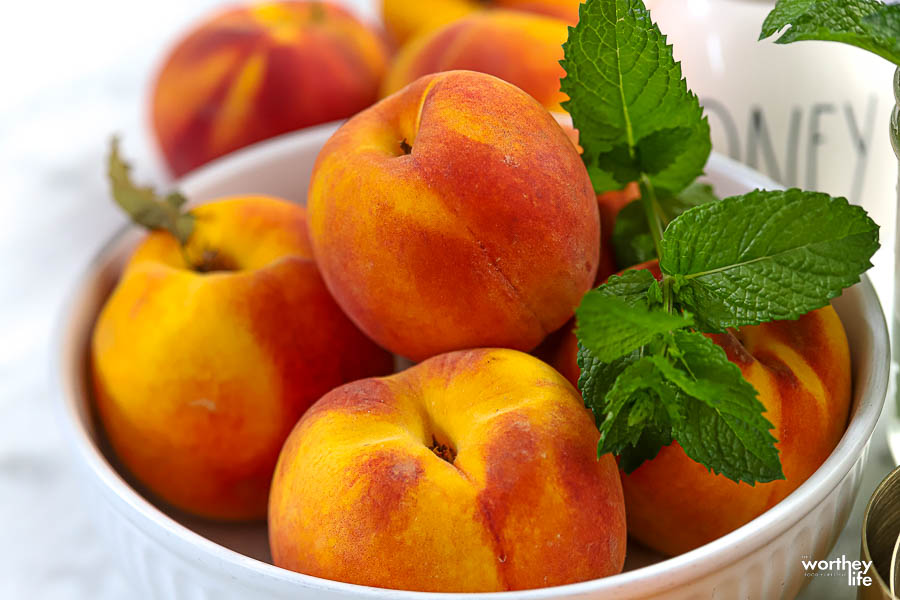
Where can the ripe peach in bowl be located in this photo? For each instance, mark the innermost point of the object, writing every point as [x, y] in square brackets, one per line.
[482, 459]
[800, 368]
[453, 214]
[169, 554]
[204, 356]
[253, 72]
[406, 19]
[519, 47]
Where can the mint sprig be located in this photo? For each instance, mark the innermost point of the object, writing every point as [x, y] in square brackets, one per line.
[722, 425]
[775, 255]
[633, 428]
[629, 102]
[680, 386]
[612, 326]
[648, 373]
[867, 24]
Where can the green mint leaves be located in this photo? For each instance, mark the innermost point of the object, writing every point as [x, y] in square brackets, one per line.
[649, 371]
[143, 204]
[657, 380]
[867, 24]
[774, 255]
[721, 425]
[629, 102]
[614, 319]
[650, 375]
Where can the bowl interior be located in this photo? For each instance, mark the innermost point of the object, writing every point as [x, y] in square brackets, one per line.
[282, 167]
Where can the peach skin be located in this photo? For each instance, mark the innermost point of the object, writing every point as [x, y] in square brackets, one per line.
[200, 371]
[801, 370]
[609, 203]
[521, 48]
[253, 72]
[474, 471]
[406, 19]
[454, 214]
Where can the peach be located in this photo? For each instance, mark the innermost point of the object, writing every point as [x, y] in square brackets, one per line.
[521, 48]
[609, 203]
[473, 471]
[408, 18]
[454, 214]
[801, 370]
[200, 371]
[253, 72]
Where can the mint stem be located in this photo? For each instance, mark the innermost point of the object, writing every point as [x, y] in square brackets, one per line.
[651, 210]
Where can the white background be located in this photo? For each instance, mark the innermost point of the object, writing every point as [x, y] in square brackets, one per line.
[72, 73]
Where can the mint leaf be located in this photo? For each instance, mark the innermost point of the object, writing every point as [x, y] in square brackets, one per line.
[631, 286]
[885, 22]
[598, 377]
[632, 419]
[684, 388]
[631, 237]
[765, 256]
[636, 400]
[628, 100]
[723, 427]
[632, 386]
[866, 24]
[648, 445]
[611, 327]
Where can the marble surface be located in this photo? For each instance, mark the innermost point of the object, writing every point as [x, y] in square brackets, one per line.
[73, 74]
[69, 82]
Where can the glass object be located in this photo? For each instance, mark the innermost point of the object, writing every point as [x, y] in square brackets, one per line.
[894, 415]
[881, 537]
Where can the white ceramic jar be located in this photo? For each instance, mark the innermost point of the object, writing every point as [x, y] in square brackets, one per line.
[809, 114]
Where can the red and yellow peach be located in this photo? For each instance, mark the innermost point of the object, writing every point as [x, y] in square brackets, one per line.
[201, 368]
[454, 214]
[473, 471]
[254, 72]
[521, 48]
[801, 370]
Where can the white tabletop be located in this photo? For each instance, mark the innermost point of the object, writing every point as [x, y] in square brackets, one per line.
[73, 73]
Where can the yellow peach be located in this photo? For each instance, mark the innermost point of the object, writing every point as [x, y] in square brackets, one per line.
[801, 370]
[201, 370]
[473, 471]
[407, 18]
[454, 214]
[521, 48]
[253, 72]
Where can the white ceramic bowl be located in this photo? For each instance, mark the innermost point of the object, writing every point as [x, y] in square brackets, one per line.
[173, 557]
